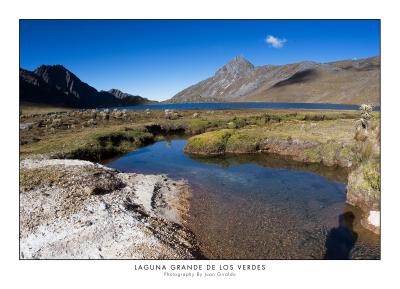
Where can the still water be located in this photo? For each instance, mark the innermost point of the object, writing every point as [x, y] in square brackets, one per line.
[244, 105]
[259, 206]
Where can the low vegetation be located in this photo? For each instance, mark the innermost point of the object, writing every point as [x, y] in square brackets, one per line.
[95, 145]
[333, 138]
[33, 108]
[96, 135]
[330, 142]
[364, 181]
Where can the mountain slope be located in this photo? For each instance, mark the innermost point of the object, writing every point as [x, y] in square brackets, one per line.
[127, 99]
[56, 85]
[34, 89]
[347, 82]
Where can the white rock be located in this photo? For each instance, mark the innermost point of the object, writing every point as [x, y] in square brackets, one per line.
[374, 218]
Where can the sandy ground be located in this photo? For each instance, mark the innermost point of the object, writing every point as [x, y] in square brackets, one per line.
[83, 210]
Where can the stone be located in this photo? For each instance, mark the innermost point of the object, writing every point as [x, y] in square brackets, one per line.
[231, 124]
[91, 122]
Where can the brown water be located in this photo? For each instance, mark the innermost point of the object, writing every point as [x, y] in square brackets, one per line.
[259, 206]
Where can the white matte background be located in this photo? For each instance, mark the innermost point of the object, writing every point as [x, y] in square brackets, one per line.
[120, 274]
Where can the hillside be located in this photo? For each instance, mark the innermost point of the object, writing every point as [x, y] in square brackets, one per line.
[56, 85]
[342, 82]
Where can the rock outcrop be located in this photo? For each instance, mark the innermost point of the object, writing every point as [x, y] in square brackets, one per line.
[80, 210]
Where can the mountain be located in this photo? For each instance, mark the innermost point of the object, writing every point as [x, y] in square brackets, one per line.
[34, 89]
[128, 99]
[56, 85]
[342, 82]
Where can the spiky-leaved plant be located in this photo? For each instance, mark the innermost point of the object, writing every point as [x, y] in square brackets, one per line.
[365, 117]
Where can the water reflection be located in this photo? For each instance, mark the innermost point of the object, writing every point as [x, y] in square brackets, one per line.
[274, 162]
[260, 206]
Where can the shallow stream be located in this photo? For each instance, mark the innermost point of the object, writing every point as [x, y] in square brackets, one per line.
[261, 206]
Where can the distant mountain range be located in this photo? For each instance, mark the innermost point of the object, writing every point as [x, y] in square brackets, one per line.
[341, 82]
[56, 85]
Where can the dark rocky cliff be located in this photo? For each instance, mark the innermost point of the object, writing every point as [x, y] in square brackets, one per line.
[56, 85]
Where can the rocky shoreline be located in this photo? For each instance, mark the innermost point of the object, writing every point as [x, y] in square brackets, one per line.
[73, 209]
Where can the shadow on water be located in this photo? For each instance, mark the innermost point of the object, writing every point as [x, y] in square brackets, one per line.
[341, 240]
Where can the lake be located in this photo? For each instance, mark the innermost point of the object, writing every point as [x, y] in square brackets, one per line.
[260, 206]
[244, 105]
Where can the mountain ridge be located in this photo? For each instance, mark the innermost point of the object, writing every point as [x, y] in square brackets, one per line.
[342, 82]
[56, 85]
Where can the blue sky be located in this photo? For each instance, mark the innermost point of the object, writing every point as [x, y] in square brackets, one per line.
[157, 59]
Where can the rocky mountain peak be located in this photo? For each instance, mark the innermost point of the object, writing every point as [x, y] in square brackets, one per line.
[51, 69]
[237, 66]
[56, 85]
[346, 81]
[57, 75]
[119, 94]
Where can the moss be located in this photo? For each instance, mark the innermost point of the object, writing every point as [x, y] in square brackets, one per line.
[334, 139]
[209, 143]
[312, 155]
[346, 155]
[243, 142]
[364, 188]
[33, 178]
[372, 176]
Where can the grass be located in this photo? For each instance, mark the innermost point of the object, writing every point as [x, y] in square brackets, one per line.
[333, 139]
[209, 143]
[28, 108]
[240, 119]
[364, 182]
[215, 133]
[326, 137]
[243, 141]
[364, 187]
[95, 144]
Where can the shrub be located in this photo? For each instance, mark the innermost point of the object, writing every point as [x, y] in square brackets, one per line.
[361, 136]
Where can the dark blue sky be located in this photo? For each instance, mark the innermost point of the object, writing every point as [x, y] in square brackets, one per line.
[157, 59]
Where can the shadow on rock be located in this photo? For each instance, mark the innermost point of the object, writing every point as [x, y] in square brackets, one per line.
[342, 239]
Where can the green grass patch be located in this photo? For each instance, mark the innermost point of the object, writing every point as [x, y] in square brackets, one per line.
[209, 143]
[243, 141]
